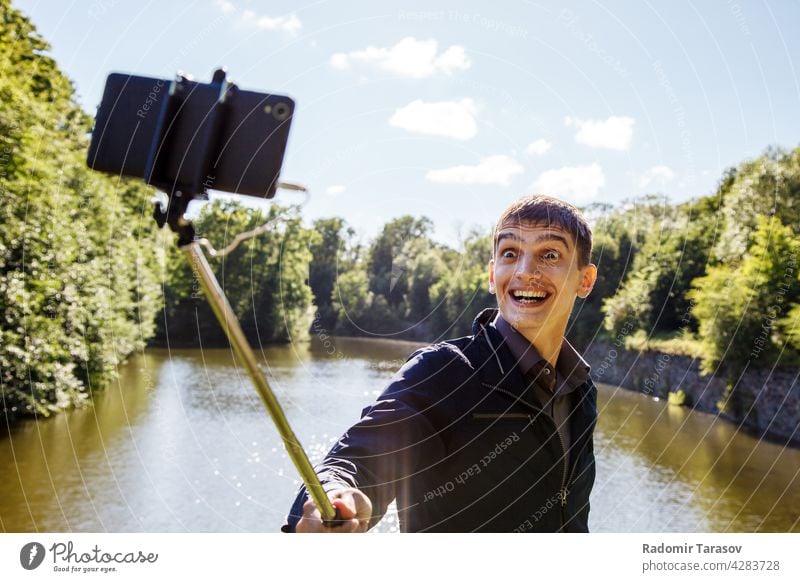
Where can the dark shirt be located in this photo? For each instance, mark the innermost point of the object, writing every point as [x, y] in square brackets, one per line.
[552, 387]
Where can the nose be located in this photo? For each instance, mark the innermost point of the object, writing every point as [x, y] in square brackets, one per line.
[527, 269]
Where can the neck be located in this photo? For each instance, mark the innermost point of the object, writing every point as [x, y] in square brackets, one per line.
[547, 341]
[547, 344]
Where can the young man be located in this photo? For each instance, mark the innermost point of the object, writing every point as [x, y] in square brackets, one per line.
[489, 432]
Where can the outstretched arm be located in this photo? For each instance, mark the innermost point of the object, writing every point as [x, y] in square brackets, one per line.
[363, 470]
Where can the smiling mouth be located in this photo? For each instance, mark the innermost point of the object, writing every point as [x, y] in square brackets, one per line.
[529, 298]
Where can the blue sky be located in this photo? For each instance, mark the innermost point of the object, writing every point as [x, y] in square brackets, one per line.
[454, 109]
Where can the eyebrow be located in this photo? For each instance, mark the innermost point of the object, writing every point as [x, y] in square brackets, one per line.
[541, 238]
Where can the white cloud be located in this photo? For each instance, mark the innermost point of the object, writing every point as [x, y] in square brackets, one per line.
[615, 133]
[490, 170]
[335, 189]
[410, 57]
[454, 119]
[290, 24]
[339, 61]
[225, 6]
[539, 147]
[658, 174]
[579, 183]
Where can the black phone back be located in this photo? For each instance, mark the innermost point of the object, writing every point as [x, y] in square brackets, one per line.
[249, 146]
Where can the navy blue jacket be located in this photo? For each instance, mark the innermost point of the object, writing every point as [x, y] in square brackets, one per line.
[459, 439]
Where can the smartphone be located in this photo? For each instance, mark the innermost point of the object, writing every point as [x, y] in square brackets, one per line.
[182, 135]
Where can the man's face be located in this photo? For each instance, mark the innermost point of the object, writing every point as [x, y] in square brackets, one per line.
[536, 277]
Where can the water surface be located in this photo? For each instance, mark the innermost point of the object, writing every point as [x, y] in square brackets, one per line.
[181, 442]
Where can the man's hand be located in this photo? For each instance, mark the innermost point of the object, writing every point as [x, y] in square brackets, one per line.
[353, 508]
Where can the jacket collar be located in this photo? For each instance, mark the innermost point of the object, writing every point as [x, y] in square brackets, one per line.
[501, 370]
[481, 327]
[571, 367]
[505, 372]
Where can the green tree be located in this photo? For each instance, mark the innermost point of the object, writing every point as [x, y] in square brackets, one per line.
[790, 326]
[739, 308]
[463, 290]
[329, 259]
[441, 287]
[768, 185]
[671, 256]
[352, 301]
[609, 253]
[264, 278]
[426, 265]
[386, 264]
[78, 263]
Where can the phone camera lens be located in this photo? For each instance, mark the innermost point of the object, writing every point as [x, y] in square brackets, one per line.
[281, 111]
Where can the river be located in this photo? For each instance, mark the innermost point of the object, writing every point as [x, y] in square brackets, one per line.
[182, 443]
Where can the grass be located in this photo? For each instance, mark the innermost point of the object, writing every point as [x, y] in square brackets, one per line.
[676, 343]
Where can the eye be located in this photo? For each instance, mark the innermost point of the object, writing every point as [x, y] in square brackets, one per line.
[508, 254]
[551, 256]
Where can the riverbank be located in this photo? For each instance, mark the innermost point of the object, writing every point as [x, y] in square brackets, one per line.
[774, 394]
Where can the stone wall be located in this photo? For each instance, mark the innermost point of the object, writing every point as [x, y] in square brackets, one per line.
[775, 393]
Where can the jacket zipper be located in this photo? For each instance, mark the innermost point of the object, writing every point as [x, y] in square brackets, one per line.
[490, 415]
[562, 492]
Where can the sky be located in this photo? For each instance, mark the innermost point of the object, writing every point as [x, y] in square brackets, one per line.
[452, 110]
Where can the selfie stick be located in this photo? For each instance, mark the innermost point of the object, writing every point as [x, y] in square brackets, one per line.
[230, 324]
[174, 217]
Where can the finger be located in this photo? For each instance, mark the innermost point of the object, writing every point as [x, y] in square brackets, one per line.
[310, 510]
[345, 507]
[361, 507]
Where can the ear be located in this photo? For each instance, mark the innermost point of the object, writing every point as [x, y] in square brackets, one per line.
[492, 288]
[588, 279]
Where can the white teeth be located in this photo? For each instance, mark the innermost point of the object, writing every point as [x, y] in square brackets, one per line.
[519, 294]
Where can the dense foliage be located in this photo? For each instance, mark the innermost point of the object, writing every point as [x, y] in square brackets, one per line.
[265, 278]
[78, 284]
[409, 286]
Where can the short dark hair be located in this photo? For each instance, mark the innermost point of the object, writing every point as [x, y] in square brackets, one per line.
[539, 209]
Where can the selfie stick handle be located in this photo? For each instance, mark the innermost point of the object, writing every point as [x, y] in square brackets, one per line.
[230, 324]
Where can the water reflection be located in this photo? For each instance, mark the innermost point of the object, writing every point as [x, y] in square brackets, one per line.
[182, 443]
[662, 468]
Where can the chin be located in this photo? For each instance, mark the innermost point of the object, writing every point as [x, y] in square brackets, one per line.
[525, 320]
